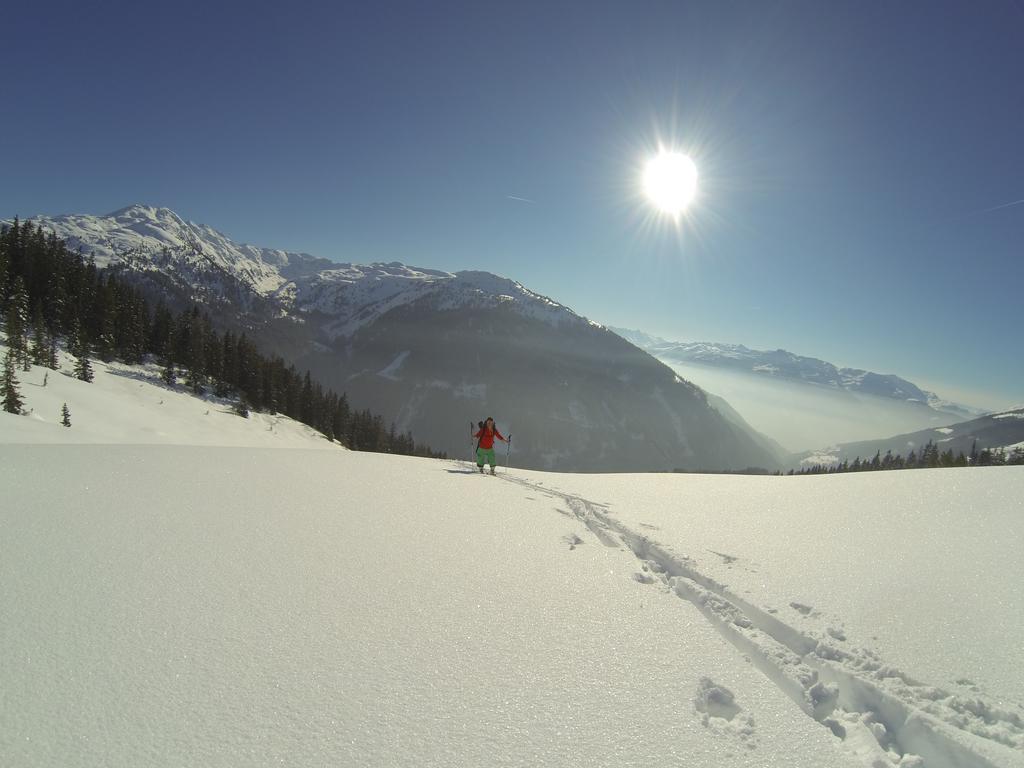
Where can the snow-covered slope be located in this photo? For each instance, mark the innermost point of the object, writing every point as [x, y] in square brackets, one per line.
[181, 605]
[356, 296]
[131, 405]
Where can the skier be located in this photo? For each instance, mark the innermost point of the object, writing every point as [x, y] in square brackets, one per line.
[485, 444]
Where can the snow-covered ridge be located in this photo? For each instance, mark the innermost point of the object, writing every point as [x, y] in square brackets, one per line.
[354, 295]
[143, 238]
[139, 233]
[782, 364]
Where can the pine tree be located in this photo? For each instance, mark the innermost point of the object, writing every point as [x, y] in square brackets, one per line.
[40, 343]
[103, 311]
[83, 368]
[169, 375]
[3, 256]
[269, 387]
[161, 330]
[132, 341]
[12, 396]
[65, 416]
[930, 455]
[16, 321]
[306, 408]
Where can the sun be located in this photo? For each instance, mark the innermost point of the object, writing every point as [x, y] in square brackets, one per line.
[670, 181]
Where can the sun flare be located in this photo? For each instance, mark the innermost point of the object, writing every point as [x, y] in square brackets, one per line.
[670, 181]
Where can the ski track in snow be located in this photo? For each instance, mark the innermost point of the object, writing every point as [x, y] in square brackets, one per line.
[883, 717]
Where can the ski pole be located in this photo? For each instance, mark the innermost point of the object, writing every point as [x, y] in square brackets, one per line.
[472, 450]
[508, 453]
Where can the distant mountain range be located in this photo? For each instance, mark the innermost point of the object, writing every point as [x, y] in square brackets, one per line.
[434, 350]
[998, 430]
[782, 365]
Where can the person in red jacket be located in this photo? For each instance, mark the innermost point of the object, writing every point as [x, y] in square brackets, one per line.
[485, 444]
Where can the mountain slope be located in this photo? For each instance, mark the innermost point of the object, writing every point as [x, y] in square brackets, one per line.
[780, 364]
[803, 402]
[434, 350]
[997, 430]
[576, 398]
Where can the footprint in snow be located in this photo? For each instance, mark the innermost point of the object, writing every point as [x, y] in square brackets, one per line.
[572, 540]
[716, 705]
[727, 559]
[804, 610]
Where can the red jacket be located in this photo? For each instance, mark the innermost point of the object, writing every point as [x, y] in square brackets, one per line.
[487, 438]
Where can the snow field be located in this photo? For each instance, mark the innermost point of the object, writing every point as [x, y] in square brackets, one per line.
[131, 405]
[172, 605]
[847, 595]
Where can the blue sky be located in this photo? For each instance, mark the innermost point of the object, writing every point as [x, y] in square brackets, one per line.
[853, 155]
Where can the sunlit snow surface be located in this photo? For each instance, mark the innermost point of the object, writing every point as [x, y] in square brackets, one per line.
[130, 404]
[167, 605]
[219, 606]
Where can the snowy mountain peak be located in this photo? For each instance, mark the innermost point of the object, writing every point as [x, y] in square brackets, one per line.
[205, 265]
[140, 212]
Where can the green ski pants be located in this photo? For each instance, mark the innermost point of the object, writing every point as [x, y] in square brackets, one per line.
[485, 456]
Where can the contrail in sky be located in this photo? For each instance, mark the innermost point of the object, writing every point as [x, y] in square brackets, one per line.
[980, 211]
[997, 207]
[528, 200]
